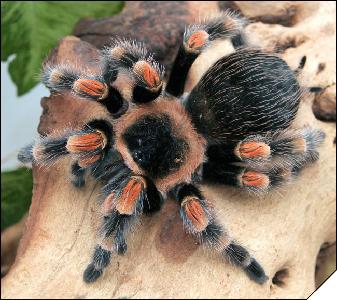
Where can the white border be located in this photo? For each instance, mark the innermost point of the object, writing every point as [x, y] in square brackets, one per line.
[328, 290]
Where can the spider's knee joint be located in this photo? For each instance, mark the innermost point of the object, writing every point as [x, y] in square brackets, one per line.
[148, 73]
[195, 213]
[87, 142]
[130, 195]
[252, 150]
[196, 41]
[93, 88]
[254, 179]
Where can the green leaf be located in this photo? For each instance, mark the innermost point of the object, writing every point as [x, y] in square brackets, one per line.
[30, 29]
[16, 195]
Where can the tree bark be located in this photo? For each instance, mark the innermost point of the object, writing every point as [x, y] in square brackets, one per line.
[283, 230]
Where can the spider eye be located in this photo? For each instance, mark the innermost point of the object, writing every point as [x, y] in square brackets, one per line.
[138, 155]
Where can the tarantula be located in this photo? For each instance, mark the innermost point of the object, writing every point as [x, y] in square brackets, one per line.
[231, 128]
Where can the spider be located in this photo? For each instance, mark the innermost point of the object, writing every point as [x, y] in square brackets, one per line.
[232, 128]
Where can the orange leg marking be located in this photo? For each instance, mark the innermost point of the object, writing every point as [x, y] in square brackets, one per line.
[255, 179]
[300, 145]
[197, 39]
[127, 202]
[151, 77]
[86, 142]
[195, 213]
[149, 74]
[87, 161]
[253, 150]
[108, 204]
[91, 87]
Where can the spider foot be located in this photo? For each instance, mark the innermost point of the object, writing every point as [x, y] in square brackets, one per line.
[199, 220]
[100, 260]
[239, 256]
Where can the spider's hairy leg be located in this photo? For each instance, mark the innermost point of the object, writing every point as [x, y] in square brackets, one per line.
[111, 238]
[45, 150]
[291, 148]
[59, 78]
[102, 169]
[49, 149]
[92, 87]
[131, 69]
[257, 180]
[198, 37]
[86, 146]
[199, 220]
[127, 197]
[296, 147]
[113, 241]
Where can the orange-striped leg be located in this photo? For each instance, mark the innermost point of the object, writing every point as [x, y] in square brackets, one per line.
[126, 198]
[149, 82]
[98, 88]
[249, 179]
[198, 218]
[85, 146]
[129, 200]
[61, 78]
[120, 209]
[137, 76]
[291, 149]
[197, 38]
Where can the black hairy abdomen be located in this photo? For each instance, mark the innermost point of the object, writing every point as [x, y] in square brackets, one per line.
[244, 93]
[154, 147]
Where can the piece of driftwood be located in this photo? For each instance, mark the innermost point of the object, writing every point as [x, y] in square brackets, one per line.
[159, 24]
[284, 230]
[10, 238]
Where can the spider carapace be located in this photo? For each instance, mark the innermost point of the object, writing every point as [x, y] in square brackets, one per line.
[234, 127]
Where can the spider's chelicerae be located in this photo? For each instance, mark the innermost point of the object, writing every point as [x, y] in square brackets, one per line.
[233, 128]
